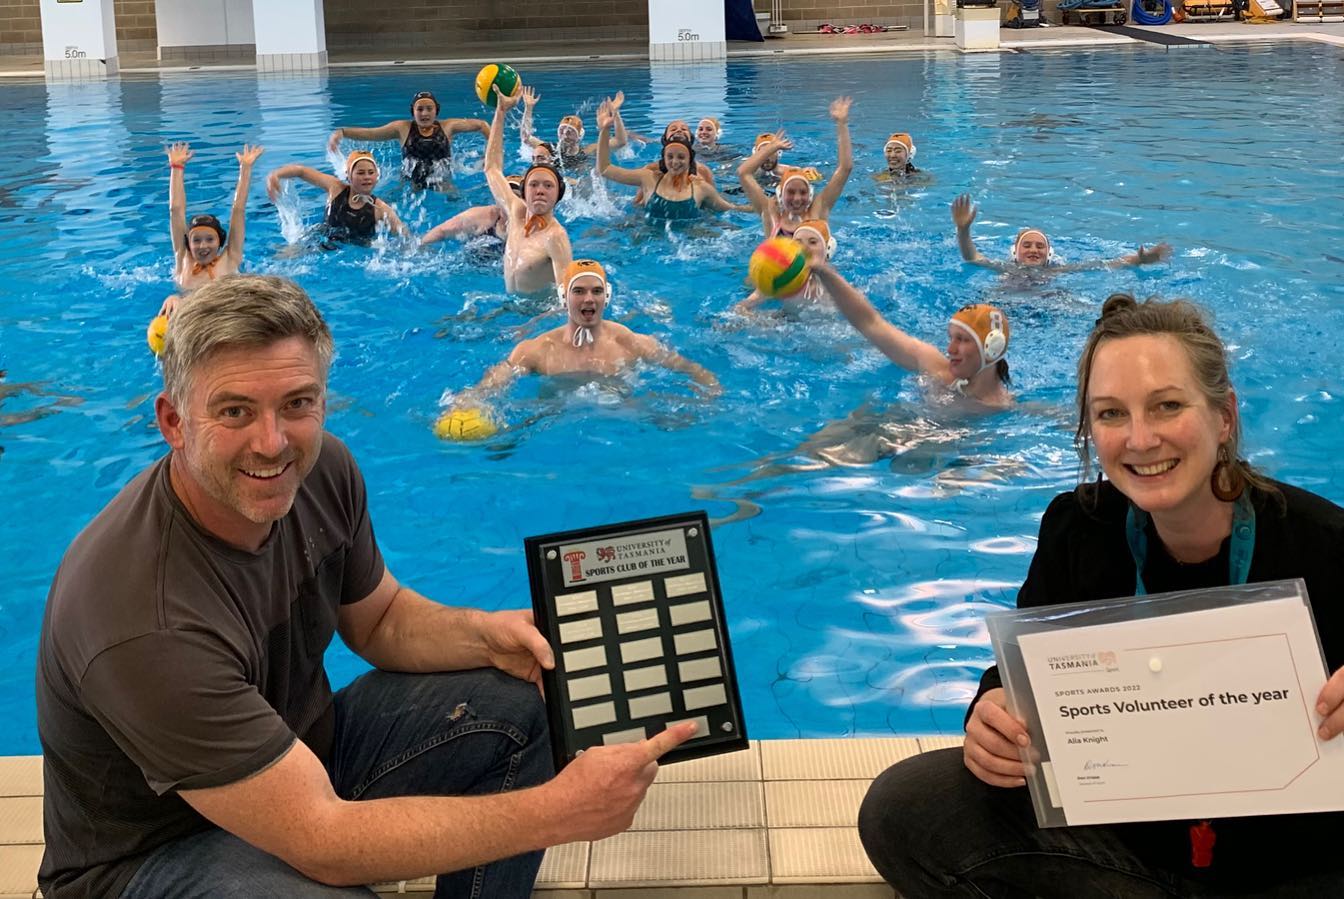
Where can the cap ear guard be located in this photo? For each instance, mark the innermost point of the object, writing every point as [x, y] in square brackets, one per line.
[996, 341]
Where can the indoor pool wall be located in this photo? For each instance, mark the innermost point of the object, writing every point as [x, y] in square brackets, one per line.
[864, 530]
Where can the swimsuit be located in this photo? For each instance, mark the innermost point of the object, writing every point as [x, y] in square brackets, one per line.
[345, 224]
[670, 210]
[425, 158]
[777, 229]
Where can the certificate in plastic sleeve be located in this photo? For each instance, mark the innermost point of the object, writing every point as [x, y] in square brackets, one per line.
[1188, 705]
[635, 617]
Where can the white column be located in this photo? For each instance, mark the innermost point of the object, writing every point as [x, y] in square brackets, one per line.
[686, 30]
[291, 36]
[79, 40]
[977, 28]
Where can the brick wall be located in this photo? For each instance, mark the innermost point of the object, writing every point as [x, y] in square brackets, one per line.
[21, 25]
[421, 23]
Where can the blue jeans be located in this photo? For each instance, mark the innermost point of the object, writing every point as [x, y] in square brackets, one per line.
[453, 734]
[932, 829]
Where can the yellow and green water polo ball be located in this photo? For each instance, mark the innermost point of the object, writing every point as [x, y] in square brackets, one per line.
[496, 74]
[464, 424]
[779, 267]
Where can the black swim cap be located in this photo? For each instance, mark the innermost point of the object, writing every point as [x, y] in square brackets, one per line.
[559, 179]
[424, 95]
[207, 221]
[682, 142]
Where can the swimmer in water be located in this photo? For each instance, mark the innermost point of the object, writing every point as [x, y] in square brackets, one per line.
[1031, 249]
[479, 221]
[708, 132]
[536, 248]
[570, 151]
[795, 201]
[426, 140]
[202, 247]
[899, 153]
[586, 344]
[353, 212]
[767, 171]
[673, 192]
[973, 367]
[819, 245]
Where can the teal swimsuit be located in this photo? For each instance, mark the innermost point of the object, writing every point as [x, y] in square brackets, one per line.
[670, 210]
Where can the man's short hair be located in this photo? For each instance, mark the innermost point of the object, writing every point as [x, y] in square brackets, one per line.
[238, 311]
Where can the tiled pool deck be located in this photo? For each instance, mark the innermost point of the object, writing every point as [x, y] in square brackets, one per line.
[776, 820]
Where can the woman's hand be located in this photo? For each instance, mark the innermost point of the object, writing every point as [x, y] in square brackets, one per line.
[334, 142]
[780, 142]
[1155, 253]
[179, 154]
[963, 211]
[273, 185]
[617, 101]
[248, 155]
[530, 97]
[840, 109]
[993, 738]
[606, 115]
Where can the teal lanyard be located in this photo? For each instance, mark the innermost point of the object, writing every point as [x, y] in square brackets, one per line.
[1243, 542]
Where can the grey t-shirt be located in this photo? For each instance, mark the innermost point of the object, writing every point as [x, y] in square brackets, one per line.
[170, 661]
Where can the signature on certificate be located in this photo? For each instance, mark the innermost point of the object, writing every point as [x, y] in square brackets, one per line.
[1092, 765]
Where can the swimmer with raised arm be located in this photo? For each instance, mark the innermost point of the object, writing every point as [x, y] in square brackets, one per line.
[977, 341]
[795, 201]
[479, 221]
[819, 245]
[1031, 249]
[673, 190]
[353, 212]
[426, 140]
[570, 151]
[536, 248]
[586, 343]
[201, 246]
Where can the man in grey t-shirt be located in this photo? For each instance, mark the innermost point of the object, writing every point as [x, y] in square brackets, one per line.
[193, 745]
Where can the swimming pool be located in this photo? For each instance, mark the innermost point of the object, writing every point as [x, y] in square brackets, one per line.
[864, 531]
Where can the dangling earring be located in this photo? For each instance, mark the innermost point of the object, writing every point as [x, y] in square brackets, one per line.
[1226, 481]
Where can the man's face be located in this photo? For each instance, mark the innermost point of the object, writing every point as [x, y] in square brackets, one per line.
[540, 192]
[249, 431]
[587, 297]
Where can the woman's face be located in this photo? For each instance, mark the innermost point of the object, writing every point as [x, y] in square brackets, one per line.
[897, 155]
[424, 111]
[813, 245]
[364, 176]
[677, 128]
[1155, 433]
[797, 196]
[707, 133]
[1032, 249]
[541, 154]
[677, 159]
[203, 243]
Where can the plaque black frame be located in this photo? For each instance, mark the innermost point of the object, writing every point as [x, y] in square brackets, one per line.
[546, 579]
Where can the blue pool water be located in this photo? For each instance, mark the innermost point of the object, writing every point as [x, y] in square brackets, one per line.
[856, 569]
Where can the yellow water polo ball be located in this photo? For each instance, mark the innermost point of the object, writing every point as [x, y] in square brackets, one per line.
[779, 267]
[157, 333]
[464, 424]
[496, 74]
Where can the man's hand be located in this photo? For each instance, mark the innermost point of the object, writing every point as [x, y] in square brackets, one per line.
[993, 737]
[601, 790]
[514, 645]
[1330, 706]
